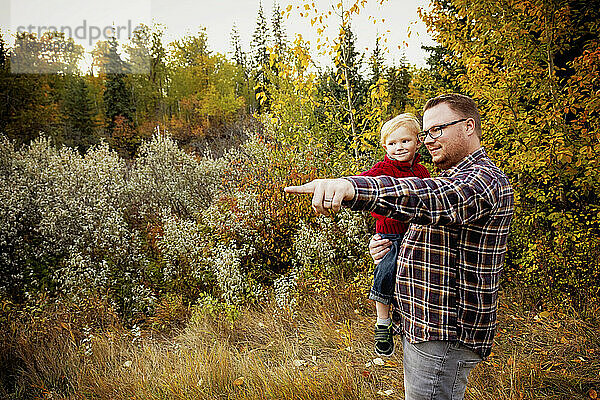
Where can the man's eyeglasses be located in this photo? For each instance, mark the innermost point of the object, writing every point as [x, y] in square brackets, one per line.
[436, 131]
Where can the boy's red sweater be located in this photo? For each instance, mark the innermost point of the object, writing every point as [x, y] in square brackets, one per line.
[396, 169]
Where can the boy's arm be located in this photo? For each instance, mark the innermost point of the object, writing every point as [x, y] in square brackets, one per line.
[432, 201]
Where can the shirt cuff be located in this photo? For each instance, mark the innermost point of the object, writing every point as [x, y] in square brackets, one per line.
[365, 193]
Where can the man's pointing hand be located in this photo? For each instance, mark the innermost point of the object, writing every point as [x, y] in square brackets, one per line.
[328, 194]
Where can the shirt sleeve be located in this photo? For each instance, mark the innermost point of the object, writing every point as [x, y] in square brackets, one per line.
[454, 200]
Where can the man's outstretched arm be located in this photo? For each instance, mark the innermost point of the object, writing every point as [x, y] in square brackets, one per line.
[434, 201]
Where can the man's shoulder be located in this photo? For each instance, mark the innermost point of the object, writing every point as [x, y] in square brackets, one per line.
[488, 168]
[479, 163]
[492, 180]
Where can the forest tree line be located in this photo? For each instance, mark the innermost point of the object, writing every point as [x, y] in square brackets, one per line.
[532, 67]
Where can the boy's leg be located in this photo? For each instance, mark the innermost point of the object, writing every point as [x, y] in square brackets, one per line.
[383, 311]
[384, 275]
[382, 292]
[436, 370]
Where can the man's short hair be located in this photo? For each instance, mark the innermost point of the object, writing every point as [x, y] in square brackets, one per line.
[461, 104]
[406, 120]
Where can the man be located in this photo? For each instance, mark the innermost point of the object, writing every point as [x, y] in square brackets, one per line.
[451, 257]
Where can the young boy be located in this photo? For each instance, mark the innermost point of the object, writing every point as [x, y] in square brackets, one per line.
[399, 139]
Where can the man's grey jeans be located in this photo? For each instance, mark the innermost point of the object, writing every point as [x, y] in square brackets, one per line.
[436, 369]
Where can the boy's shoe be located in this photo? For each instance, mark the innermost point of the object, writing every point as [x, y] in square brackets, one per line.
[384, 340]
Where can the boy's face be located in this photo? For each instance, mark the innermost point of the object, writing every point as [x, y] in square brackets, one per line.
[401, 145]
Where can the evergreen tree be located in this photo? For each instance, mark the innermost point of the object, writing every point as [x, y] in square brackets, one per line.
[159, 74]
[191, 51]
[118, 103]
[376, 62]
[238, 54]
[28, 102]
[279, 37]
[243, 82]
[147, 56]
[3, 53]
[260, 59]
[139, 51]
[398, 81]
[79, 115]
[260, 40]
[345, 86]
[117, 96]
[348, 63]
[443, 67]
[4, 74]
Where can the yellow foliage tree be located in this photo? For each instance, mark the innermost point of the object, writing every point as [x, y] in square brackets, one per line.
[533, 66]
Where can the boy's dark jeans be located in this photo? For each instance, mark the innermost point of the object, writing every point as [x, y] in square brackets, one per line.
[384, 276]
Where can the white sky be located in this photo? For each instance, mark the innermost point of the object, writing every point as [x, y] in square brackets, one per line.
[182, 17]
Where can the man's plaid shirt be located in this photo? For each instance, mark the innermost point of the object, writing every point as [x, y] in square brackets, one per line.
[451, 257]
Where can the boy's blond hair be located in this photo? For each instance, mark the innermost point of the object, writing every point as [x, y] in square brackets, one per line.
[406, 120]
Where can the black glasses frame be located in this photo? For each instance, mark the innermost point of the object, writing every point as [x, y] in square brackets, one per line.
[436, 131]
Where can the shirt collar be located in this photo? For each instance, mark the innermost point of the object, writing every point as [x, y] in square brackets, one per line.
[466, 162]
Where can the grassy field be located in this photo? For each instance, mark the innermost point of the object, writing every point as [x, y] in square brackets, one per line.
[323, 351]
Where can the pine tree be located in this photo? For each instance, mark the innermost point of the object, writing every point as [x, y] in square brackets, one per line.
[28, 101]
[118, 102]
[79, 115]
[244, 82]
[443, 68]
[398, 80]
[376, 62]
[147, 56]
[238, 54]
[260, 60]
[191, 51]
[350, 87]
[279, 37]
[349, 62]
[3, 53]
[4, 99]
[260, 40]
[117, 97]
[158, 73]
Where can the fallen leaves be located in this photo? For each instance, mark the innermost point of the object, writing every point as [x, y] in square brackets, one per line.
[298, 363]
[379, 361]
[239, 381]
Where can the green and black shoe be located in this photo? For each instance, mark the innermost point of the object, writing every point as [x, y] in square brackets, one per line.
[384, 340]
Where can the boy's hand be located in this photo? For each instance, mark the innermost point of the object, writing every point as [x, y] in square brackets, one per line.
[378, 248]
[328, 194]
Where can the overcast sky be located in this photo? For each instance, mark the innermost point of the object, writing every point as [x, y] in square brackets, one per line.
[182, 17]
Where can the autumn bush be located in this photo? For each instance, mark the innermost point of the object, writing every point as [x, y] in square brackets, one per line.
[64, 228]
[167, 223]
[78, 224]
[254, 235]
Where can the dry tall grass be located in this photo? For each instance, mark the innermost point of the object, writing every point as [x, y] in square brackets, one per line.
[323, 352]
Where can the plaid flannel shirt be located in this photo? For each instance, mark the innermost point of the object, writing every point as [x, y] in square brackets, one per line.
[451, 258]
